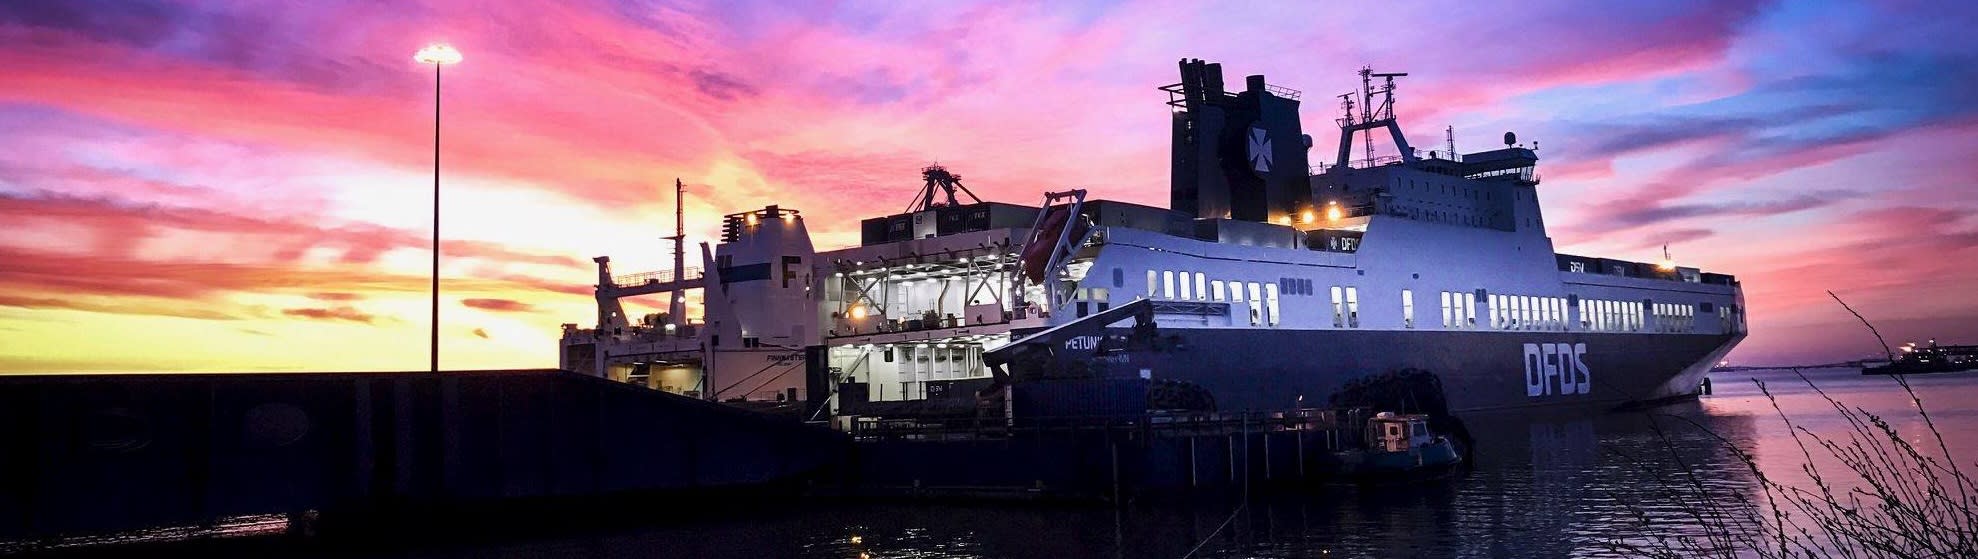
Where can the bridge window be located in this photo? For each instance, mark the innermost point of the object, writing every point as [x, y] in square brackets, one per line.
[1338, 308]
[1270, 304]
[1217, 287]
[1407, 309]
[1256, 303]
[1201, 293]
[1167, 284]
[1186, 293]
[1352, 307]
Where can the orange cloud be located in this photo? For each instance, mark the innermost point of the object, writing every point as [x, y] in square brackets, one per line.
[498, 305]
[333, 313]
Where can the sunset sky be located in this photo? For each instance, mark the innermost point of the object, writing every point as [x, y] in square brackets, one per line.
[246, 186]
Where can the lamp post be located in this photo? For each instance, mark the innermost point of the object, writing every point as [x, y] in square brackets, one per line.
[438, 55]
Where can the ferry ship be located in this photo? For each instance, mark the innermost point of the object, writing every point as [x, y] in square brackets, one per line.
[1274, 283]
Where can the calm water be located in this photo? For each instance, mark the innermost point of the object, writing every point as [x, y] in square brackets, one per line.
[1541, 487]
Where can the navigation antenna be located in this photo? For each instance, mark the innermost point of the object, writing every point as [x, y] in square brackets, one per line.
[939, 179]
[676, 306]
[1449, 142]
[1371, 116]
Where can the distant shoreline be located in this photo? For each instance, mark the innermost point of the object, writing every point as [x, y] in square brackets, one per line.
[1841, 365]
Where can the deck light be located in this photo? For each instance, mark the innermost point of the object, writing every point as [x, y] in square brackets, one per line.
[1305, 217]
[1332, 212]
[858, 311]
[437, 54]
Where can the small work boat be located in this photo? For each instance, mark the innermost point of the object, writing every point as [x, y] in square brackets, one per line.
[1931, 358]
[1399, 446]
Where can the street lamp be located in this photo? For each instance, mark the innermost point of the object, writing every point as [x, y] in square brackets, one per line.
[438, 55]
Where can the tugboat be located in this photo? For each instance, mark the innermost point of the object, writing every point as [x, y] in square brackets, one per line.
[1399, 446]
[1932, 358]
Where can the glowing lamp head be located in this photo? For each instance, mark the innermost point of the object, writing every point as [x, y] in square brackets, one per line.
[858, 312]
[751, 218]
[437, 54]
[1305, 217]
[1667, 265]
[1333, 213]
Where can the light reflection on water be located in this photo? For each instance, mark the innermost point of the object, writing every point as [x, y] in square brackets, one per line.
[1541, 486]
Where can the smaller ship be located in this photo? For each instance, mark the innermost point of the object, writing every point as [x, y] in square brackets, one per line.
[1928, 359]
[1399, 446]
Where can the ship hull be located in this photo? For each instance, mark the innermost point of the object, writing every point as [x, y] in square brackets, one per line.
[1256, 369]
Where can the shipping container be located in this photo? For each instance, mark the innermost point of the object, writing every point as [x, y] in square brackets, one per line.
[1112, 213]
[1246, 233]
[872, 231]
[1082, 398]
[950, 220]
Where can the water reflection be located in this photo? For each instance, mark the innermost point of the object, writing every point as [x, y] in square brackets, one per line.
[1541, 485]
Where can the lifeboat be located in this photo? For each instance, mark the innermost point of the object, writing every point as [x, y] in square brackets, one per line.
[1037, 253]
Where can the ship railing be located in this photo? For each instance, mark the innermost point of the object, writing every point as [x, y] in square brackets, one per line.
[646, 278]
[1363, 163]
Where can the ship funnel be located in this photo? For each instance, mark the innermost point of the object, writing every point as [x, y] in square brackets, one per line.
[1236, 155]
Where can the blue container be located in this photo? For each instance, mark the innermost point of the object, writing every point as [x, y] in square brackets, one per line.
[1083, 398]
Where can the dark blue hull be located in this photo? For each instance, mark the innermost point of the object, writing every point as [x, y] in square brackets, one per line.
[1262, 369]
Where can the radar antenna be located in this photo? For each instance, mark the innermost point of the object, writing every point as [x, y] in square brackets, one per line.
[1372, 115]
[939, 182]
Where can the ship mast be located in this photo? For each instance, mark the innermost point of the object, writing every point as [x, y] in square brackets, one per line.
[1371, 116]
[676, 306]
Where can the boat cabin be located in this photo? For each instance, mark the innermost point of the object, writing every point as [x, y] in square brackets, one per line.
[1390, 432]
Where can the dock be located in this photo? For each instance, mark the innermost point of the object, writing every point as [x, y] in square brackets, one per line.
[101, 453]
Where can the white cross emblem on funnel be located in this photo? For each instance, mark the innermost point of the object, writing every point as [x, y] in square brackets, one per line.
[1260, 150]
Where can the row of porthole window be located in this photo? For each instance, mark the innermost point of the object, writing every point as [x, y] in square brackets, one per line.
[1195, 286]
[1672, 317]
[1602, 315]
[1528, 312]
